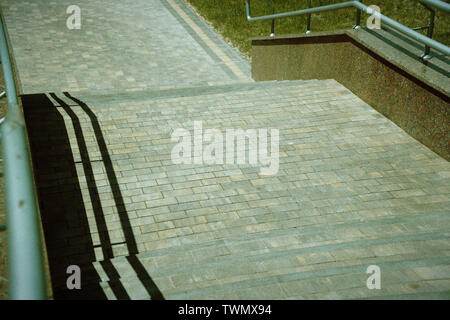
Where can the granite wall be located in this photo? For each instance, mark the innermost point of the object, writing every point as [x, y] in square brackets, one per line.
[415, 106]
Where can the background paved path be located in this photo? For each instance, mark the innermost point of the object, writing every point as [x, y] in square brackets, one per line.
[121, 45]
[352, 190]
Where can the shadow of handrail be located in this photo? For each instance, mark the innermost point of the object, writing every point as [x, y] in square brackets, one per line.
[130, 240]
[65, 216]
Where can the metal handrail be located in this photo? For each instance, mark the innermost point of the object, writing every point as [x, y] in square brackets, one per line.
[25, 252]
[441, 5]
[272, 27]
[361, 7]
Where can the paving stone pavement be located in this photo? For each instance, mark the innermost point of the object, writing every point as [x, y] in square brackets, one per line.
[120, 45]
[352, 189]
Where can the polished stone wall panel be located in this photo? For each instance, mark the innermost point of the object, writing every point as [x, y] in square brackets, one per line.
[415, 106]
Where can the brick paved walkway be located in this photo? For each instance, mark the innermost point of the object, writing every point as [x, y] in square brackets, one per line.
[121, 45]
[352, 189]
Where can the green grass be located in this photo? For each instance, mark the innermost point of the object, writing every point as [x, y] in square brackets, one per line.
[229, 19]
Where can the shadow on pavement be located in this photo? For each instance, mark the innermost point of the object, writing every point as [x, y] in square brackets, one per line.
[63, 212]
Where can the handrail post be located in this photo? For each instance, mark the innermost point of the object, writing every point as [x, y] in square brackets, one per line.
[358, 18]
[358, 5]
[308, 21]
[426, 55]
[272, 26]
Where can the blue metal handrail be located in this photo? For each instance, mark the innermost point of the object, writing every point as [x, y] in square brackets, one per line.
[361, 7]
[26, 275]
[441, 5]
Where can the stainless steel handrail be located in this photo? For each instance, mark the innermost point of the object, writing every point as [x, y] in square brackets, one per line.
[26, 276]
[361, 7]
[441, 5]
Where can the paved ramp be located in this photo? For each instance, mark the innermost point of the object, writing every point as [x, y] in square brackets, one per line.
[121, 45]
[352, 189]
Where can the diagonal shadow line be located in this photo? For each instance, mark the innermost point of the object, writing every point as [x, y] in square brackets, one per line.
[63, 212]
[130, 240]
[105, 240]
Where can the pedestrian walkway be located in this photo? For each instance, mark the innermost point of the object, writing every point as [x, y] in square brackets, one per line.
[101, 104]
[121, 45]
